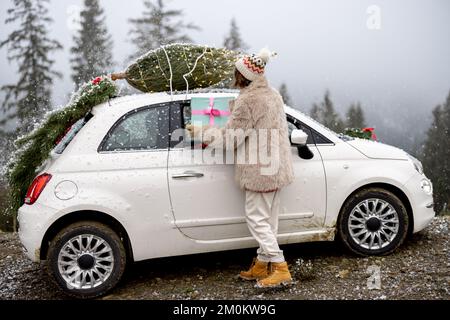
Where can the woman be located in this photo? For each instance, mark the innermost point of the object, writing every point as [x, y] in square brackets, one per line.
[260, 108]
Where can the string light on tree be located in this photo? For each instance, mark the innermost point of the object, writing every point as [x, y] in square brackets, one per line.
[193, 67]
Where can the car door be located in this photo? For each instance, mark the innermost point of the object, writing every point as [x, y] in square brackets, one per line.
[208, 204]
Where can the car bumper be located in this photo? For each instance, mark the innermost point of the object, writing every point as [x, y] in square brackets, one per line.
[32, 229]
[421, 203]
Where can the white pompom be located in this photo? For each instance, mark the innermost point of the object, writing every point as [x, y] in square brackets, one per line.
[265, 54]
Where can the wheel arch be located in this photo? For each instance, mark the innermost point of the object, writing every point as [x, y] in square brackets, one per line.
[393, 189]
[84, 215]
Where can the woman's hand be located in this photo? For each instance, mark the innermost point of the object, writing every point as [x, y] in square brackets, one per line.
[195, 131]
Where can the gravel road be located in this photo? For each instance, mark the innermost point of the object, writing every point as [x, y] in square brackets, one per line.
[419, 270]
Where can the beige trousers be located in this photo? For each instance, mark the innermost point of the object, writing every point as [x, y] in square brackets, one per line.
[262, 211]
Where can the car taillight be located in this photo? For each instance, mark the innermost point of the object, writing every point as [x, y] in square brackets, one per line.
[34, 191]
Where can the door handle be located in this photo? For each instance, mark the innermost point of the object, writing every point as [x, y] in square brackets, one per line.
[188, 174]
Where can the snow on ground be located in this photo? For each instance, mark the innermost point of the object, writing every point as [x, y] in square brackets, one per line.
[418, 270]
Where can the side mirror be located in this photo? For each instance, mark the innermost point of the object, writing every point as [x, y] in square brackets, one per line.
[299, 138]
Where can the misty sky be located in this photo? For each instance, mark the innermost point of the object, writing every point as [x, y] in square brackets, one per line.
[401, 69]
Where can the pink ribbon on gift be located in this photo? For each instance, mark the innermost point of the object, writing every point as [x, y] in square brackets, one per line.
[211, 112]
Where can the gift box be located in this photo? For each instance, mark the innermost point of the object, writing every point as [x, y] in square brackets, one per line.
[210, 111]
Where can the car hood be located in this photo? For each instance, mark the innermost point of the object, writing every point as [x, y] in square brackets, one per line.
[377, 150]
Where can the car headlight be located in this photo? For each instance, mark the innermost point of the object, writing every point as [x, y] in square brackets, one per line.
[417, 164]
[426, 186]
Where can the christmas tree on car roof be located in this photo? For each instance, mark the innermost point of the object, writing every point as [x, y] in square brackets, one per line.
[180, 67]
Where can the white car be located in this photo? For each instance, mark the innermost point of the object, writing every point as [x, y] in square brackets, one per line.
[117, 190]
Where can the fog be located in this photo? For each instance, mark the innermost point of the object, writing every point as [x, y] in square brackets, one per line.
[397, 67]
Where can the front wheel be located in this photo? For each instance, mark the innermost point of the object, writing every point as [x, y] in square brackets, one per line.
[373, 222]
[86, 259]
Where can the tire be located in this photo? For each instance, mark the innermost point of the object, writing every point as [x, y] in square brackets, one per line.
[387, 227]
[101, 260]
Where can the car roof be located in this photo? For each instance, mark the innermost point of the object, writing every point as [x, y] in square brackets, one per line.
[129, 103]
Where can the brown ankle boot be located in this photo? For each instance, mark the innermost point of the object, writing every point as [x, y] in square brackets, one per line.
[279, 276]
[258, 270]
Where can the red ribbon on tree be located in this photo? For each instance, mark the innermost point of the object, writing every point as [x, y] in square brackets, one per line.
[97, 80]
[372, 131]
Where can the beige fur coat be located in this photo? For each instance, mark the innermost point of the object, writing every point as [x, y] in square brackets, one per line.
[257, 113]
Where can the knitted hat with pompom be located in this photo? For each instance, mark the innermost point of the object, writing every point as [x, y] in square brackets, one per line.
[253, 66]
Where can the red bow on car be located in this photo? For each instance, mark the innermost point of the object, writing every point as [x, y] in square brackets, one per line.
[372, 131]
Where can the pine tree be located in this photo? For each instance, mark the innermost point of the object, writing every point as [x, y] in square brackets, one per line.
[234, 40]
[315, 112]
[285, 94]
[331, 118]
[355, 117]
[92, 51]
[7, 222]
[5, 146]
[436, 156]
[326, 114]
[30, 47]
[157, 27]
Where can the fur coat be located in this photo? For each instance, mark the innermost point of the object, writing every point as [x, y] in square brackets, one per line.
[258, 130]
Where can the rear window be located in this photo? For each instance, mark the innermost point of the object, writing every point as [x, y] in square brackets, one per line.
[71, 134]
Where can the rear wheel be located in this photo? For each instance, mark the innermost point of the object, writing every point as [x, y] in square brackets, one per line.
[373, 222]
[86, 259]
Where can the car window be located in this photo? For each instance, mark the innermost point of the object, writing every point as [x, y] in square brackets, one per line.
[144, 129]
[71, 133]
[182, 116]
[313, 136]
[320, 139]
[177, 121]
[291, 127]
[187, 114]
[295, 124]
